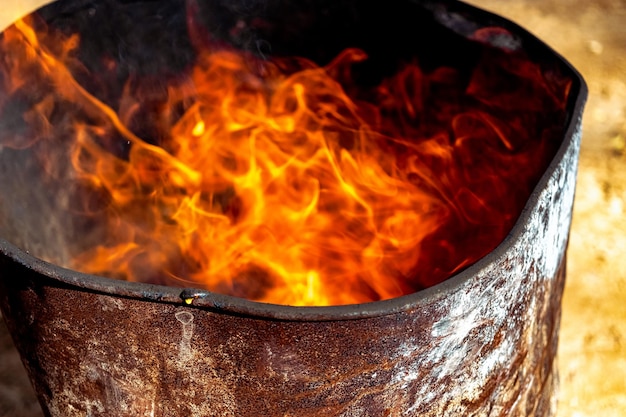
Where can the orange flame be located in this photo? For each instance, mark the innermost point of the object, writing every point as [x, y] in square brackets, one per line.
[297, 187]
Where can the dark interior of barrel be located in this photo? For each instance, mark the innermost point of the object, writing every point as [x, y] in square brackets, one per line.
[152, 43]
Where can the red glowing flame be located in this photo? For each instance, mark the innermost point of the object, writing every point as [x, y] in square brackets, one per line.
[294, 186]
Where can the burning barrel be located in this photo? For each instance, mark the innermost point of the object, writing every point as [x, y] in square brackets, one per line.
[284, 208]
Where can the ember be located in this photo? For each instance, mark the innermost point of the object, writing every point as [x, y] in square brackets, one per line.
[278, 179]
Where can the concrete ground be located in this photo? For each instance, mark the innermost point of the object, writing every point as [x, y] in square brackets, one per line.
[592, 353]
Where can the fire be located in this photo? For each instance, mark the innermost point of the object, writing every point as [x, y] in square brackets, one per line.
[284, 181]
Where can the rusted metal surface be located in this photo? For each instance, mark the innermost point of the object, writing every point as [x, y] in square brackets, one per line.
[482, 343]
[150, 359]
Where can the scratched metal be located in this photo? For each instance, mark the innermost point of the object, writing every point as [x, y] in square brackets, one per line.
[482, 343]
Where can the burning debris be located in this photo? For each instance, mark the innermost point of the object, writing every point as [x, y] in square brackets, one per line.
[277, 178]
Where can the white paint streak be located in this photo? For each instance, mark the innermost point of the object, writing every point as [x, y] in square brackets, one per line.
[185, 352]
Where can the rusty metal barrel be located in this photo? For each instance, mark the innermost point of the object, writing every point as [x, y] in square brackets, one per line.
[481, 343]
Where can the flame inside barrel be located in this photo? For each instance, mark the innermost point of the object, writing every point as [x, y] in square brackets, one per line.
[281, 180]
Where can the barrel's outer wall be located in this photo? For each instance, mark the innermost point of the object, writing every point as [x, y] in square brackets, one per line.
[482, 346]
